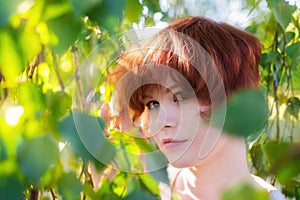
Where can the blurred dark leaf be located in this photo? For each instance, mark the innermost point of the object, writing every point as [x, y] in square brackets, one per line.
[139, 194]
[11, 188]
[293, 51]
[69, 187]
[80, 7]
[284, 159]
[245, 113]
[67, 29]
[161, 175]
[293, 106]
[85, 135]
[108, 14]
[32, 153]
[3, 152]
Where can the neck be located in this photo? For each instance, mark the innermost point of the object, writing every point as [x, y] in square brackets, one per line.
[226, 166]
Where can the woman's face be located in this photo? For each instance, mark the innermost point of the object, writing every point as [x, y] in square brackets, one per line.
[172, 117]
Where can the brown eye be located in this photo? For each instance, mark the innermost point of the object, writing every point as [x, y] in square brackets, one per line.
[151, 105]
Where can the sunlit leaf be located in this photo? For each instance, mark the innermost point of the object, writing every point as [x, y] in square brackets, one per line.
[133, 10]
[31, 97]
[36, 156]
[245, 192]
[274, 3]
[150, 183]
[240, 116]
[11, 188]
[11, 61]
[69, 187]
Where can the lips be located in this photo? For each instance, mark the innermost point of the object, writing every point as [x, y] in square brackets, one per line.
[169, 143]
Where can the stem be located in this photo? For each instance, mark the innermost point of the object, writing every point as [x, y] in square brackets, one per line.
[61, 83]
[77, 79]
[34, 194]
[53, 194]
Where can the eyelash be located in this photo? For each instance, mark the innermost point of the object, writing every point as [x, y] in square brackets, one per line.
[151, 105]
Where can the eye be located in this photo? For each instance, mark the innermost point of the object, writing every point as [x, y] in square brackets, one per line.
[151, 105]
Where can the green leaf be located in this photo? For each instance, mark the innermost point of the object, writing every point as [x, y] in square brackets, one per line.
[139, 194]
[7, 8]
[108, 14]
[133, 10]
[283, 14]
[11, 60]
[67, 29]
[161, 175]
[293, 106]
[274, 3]
[3, 152]
[11, 188]
[80, 7]
[35, 156]
[245, 192]
[293, 51]
[31, 97]
[297, 192]
[69, 187]
[245, 113]
[150, 183]
[85, 133]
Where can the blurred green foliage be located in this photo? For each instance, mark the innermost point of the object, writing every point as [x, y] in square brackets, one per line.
[42, 152]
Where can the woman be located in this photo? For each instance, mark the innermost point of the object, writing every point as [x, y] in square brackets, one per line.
[169, 88]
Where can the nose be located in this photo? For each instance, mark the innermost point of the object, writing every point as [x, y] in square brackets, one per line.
[168, 116]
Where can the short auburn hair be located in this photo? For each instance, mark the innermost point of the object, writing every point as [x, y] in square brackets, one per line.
[235, 53]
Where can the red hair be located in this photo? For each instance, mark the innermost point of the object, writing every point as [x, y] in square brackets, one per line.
[235, 53]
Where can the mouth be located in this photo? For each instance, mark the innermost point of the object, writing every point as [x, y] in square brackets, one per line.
[169, 143]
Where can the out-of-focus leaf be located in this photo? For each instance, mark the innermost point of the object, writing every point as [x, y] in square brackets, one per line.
[150, 183]
[245, 113]
[85, 135]
[80, 7]
[36, 156]
[3, 152]
[297, 192]
[274, 3]
[7, 8]
[31, 97]
[108, 14]
[11, 60]
[58, 103]
[67, 29]
[133, 10]
[11, 188]
[293, 106]
[139, 194]
[69, 187]
[161, 175]
[293, 51]
[284, 159]
[245, 192]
